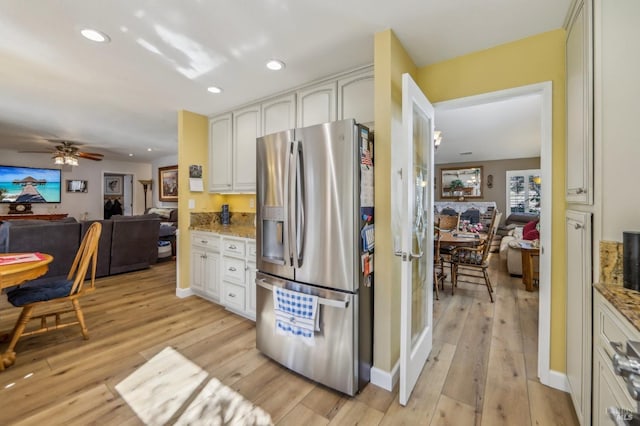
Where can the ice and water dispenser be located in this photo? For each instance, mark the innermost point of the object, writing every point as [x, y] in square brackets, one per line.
[273, 241]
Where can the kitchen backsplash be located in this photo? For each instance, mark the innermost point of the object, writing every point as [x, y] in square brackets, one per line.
[209, 218]
[611, 271]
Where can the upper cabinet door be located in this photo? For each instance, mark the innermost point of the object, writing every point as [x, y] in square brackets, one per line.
[279, 114]
[220, 153]
[579, 184]
[317, 104]
[355, 98]
[246, 124]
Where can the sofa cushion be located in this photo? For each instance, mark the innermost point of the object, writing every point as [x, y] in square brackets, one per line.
[24, 295]
[162, 213]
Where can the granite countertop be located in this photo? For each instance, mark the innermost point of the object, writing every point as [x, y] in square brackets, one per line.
[243, 231]
[626, 301]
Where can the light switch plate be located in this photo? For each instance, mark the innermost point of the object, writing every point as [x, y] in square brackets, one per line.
[192, 203]
[252, 203]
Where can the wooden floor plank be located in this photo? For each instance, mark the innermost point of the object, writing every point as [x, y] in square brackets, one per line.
[132, 317]
[550, 406]
[450, 412]
[506, 396]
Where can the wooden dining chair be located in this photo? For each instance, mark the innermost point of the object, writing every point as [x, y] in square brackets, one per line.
[28, 297]
[474, 261]
[438, 264]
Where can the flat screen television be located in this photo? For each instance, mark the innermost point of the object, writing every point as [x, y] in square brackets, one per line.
[29, 185]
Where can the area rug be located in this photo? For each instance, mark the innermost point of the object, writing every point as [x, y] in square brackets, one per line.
[159, 390]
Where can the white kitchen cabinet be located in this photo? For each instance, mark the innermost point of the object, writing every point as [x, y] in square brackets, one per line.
[205, 265]
[279, 114]
[317, 104]
[246, 128]
[609, 389]
[579, 89]
[356, 97]
[220, 153]
[578, 323]
[239, 288]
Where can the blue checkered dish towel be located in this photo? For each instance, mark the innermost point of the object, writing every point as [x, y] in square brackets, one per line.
[296, 314]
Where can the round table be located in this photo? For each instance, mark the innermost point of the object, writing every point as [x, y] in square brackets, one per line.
[18, 273]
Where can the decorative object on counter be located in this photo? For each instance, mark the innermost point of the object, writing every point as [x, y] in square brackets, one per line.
[225, 214]
[611, 262]
[168, 188]
[631, 260]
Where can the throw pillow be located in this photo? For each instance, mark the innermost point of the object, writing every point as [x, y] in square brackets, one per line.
[163, 213]
[530, 231]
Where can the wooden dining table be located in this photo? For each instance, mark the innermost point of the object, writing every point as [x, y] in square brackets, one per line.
[461, 238]
[15, 274]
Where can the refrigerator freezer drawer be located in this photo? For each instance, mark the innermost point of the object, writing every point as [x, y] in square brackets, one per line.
[332, 357]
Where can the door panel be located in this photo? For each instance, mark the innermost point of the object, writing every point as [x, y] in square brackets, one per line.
[327, 243]
[272, 237]
[416, 321]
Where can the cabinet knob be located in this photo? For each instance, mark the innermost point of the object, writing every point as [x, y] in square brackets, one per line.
[204, 241]
[232, 269]
[232, 295]
[577, 226]
[232, 247]
[581, 191]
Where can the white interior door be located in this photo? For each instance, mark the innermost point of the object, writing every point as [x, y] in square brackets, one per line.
[416, 321]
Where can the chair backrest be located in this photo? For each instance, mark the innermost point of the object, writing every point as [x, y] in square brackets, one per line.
[493, 228]
[447, 222]
[88, 252]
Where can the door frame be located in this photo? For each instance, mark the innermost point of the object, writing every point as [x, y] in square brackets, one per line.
[547, 376]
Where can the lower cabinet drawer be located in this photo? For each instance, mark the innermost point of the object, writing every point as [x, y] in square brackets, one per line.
[234, 296]
[233, 270]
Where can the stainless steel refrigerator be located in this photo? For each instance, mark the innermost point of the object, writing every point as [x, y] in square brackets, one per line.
[315, 237]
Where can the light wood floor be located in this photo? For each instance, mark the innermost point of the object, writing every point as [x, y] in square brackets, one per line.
[482, 370]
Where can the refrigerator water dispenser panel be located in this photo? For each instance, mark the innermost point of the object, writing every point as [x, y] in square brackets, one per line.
[273, 240]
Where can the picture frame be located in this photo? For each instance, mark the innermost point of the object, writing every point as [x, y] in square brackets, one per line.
[113, 185]
[461, 182]
[76, 185]
[168, 183]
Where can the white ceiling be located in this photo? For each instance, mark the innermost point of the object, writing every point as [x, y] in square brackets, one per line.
[122, 97]
[497, 130]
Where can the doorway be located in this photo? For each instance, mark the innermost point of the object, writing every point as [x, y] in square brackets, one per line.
[117, 194]
[544, 92]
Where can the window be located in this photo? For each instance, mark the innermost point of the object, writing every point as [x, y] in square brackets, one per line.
[523, 191]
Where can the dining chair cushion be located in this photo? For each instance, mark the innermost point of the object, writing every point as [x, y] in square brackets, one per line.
[467, 257]
[24, 295]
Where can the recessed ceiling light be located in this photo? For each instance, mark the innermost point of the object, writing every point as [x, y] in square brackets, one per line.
[95, 35]
[214, 89]
[148, 149]
[130, 155]
[275, 65]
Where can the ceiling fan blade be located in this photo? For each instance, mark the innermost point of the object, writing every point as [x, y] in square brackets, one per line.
[39, 151]
[90, 155]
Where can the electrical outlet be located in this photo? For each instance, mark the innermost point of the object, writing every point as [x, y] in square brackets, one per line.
[252, 203]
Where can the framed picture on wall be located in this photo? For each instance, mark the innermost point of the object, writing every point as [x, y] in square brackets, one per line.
[76, 185]
[113, 185]
[168, 188]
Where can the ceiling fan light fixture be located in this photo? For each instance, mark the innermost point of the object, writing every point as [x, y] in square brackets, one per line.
[59, 160]
[95, 35]
[275, 65]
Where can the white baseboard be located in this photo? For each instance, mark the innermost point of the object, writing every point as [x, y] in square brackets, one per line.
[385, 379]
[183, 292]
[556, 380]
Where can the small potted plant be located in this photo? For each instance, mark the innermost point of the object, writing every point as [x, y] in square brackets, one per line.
[456, 185]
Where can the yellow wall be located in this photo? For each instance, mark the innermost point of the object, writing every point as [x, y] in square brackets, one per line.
[192, 148]
[532, 60]
[241, 202]
[390, 62]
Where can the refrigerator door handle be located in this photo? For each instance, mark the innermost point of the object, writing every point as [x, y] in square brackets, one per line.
[300, 206]
[291, 211]
[343, 304]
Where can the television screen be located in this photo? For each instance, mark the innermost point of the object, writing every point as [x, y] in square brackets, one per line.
[29, 185]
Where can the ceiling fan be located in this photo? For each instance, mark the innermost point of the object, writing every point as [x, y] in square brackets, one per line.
[67, 152]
